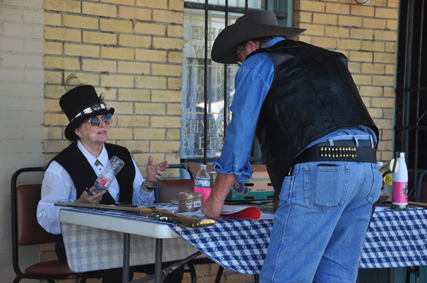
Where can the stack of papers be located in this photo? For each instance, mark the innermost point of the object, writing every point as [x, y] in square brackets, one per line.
[233, 211]
[249, 212]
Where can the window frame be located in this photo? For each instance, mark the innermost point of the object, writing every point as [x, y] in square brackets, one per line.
[283, 18]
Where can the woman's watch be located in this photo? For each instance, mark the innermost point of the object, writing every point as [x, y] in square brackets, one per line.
[148, 187]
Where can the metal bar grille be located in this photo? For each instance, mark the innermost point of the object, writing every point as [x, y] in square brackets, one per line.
[226, 9]
[411, 90]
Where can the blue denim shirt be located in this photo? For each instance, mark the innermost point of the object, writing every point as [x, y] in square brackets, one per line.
[252, 83]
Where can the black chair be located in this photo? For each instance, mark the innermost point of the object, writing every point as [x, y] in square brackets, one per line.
[27, 231]
[420, 185]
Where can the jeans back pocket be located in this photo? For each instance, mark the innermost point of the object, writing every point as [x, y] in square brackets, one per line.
[325, 187]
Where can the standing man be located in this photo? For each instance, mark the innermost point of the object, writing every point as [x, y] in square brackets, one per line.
[317, 140]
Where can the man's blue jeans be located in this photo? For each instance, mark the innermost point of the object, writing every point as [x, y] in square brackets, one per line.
[320, 225]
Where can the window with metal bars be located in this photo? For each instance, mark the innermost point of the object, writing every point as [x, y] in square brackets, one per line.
[411, 90]
[207, 86]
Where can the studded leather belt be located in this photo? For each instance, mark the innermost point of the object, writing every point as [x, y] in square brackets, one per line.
[341, 151]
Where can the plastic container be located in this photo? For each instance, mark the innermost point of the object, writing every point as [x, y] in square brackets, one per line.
[189, 201]
[108, 174]
[202, 184]
[400, 184]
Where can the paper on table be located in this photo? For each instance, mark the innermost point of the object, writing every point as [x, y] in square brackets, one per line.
[229, 211]
[379, 208]
[249, 212]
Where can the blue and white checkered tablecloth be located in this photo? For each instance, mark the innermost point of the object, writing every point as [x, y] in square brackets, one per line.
[238, 245]
[395, 238]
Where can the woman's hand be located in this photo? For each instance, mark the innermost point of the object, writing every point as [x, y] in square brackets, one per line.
[154, 172]
[87, 197]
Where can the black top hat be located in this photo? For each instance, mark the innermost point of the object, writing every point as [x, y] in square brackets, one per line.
[79, 104]
[250, 26]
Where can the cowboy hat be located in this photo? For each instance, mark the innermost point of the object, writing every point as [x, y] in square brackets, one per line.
[250, 26]
[79, 104]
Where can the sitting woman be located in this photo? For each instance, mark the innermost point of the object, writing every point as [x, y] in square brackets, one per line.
[71, 174]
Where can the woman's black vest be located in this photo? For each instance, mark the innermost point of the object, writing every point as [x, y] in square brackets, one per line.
[76, 164]
[312, 95]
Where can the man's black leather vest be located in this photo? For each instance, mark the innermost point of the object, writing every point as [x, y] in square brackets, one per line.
[75, 163]
[312, 95]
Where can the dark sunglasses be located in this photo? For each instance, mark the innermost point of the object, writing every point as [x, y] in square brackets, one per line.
[94, 121]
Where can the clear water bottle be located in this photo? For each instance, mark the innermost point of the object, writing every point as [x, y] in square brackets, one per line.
[400, 184]
[107, 175]
[202, 185]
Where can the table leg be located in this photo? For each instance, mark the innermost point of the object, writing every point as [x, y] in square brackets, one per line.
[158, 261]
[390, 273]
[126, 257]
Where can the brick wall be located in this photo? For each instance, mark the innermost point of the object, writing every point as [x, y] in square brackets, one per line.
[367, 35]
[21, 110]
[131, 51]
